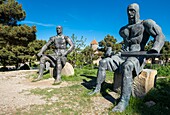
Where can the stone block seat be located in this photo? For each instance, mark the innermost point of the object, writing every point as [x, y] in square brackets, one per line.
[67, 70]
[142, 83]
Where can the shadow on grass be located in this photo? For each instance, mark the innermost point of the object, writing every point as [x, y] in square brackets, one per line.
[105, 88]
[89, 84]
[46, 72]
[45, 75]
[160, 95]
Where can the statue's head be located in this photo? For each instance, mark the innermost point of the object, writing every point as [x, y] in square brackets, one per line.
[133, 13]
[59, 30]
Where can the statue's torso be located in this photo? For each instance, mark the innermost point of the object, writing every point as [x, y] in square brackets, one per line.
[133, 35]
[60, 42]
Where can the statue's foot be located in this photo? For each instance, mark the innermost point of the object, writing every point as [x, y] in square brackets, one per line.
[120, 107]
[56, 82]
[94, 92]
[38, 79]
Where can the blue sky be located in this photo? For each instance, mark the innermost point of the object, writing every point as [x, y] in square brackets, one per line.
[92, 19]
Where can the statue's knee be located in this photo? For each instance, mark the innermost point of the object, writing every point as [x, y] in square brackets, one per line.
[42, 60]
[102, 63]
[128, 66]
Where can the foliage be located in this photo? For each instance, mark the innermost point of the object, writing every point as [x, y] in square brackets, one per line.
[75, 57]
[162, 70]
[109, 41]
[35, 46]
[88, 55]
[166, 51]
[160, 95]
[16, 35]
[6, 56]
[14, 38]
[11, 12]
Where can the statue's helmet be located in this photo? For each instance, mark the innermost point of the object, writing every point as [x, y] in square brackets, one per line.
[135, 9]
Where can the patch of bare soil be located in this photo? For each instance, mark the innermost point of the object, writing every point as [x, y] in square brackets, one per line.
[14, 90]
[15, 93]
[105, 102]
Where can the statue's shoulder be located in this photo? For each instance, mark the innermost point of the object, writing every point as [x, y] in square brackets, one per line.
[124, 27]
[66, 38]
[52, 38]
[149, 23]
[124, 32]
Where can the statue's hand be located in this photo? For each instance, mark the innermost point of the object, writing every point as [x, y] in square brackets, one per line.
[152, 51]
[128, 40]
[108, 52]
[64, 54]
[39, 54]
[59, 54]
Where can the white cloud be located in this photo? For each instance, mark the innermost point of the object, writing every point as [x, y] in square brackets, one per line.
[37, 23]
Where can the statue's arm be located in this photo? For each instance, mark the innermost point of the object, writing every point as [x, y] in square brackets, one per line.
[109, 52]
[137, 38]
[44, 48]
[156, 32]
[124, 33]
[69, 41]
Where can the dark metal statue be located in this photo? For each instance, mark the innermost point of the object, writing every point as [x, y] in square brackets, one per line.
[58, 58]
[135, 35]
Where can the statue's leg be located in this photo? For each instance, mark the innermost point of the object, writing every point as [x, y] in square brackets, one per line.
[41, 68]
[58, 69]
[126, 87]
[101, 75]
[110, 64]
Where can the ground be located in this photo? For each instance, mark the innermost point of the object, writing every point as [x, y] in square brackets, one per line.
[16, 86]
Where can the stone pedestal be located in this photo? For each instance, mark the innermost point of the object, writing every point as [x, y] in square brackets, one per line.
[142, 83]
[68, 70]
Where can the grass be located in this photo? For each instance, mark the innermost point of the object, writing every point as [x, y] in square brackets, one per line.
[70, 99]
[75, 100]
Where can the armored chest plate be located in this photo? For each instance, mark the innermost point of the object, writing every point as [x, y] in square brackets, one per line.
[60, 42]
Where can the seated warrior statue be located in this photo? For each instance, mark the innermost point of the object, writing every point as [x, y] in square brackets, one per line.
[135, 35]
[58, 58]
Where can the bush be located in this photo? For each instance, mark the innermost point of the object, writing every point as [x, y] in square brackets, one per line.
[162, 70]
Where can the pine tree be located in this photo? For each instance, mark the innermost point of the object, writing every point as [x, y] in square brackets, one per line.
[109, 41]
[14, 38]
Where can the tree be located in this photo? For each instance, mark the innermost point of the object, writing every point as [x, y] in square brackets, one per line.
[75, 57]
[109, 41]
[14, 38]
[11, 12]
[87, 55]
[35, 46]
[166, 51]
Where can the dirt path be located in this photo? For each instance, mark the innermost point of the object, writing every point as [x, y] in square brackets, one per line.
[15, 93]
[14, 90]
